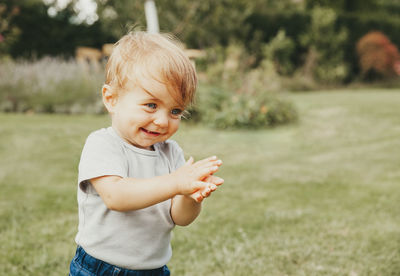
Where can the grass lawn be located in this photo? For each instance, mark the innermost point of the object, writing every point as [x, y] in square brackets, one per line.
[320, 197]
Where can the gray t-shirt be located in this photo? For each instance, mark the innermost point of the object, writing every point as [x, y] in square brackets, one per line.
[137, 239]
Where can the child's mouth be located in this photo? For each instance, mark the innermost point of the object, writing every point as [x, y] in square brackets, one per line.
[153, 133]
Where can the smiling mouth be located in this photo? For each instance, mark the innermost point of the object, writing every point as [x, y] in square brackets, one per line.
[153, 133]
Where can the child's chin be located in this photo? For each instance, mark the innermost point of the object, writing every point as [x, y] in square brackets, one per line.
[147, 146]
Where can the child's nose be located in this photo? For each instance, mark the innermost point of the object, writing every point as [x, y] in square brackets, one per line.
[161, 119]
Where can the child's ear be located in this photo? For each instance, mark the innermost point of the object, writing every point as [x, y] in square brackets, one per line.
[109, 98]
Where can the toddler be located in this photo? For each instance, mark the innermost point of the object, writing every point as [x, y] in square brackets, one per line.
[134, 185]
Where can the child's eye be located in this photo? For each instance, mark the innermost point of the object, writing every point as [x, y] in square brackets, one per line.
[176, 111]
[151, 105]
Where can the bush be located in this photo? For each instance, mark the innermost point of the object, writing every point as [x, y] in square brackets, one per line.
[233, 69]
[224, 66]
[49, 85]
[377, 54]
[279, 50]
[223, 109]
[233, 94]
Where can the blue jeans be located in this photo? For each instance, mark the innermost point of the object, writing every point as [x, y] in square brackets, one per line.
[85, 265]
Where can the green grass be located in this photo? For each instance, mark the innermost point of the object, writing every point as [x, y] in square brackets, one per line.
[320, 197]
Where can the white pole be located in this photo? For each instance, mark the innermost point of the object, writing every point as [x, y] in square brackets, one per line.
[151, 16]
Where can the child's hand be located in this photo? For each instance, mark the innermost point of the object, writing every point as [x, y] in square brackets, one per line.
[191, 177]
[213, 181]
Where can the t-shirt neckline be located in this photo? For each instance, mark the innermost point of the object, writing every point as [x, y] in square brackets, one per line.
[154, 152]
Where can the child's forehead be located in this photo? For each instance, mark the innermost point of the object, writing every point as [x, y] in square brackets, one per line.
[155, 89]
[151, 84]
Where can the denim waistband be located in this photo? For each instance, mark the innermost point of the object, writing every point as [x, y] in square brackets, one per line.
[99, 267]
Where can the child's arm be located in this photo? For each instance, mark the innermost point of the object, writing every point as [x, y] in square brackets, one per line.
[127, 194]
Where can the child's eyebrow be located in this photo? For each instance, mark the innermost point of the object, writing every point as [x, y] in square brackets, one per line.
[154, 98]
[151, 95]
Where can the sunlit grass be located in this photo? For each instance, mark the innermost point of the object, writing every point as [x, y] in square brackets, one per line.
[319, 197]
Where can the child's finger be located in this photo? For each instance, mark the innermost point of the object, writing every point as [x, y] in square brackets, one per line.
[210, 163]
[197, 196]
[189, 161]
[206, 160]
[217, 163]
[212, 187]
[214, 180]
[204, 172]
[198, 185]
[208, 169]
[206, 192]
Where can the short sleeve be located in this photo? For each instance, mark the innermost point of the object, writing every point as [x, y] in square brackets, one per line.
[101, 156]
[178, 155]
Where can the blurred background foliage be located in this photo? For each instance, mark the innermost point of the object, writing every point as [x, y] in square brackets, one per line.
[255, 50]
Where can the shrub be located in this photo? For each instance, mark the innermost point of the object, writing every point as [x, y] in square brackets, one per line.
[225, 65]
[377, 54]
[223, 109]
[49, 85]
[279, 50]
[232, 68]
[233, 94]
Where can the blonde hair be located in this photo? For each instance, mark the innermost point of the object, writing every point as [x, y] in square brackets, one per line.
[140, 56]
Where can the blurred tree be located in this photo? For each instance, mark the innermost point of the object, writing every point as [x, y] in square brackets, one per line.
[344, 5]
[120, 16]
[208, 23]
[42, 34]
[261, 6]
[325, 59]
[198, 23]
[389, 6]
[48, 29]
[8, 31]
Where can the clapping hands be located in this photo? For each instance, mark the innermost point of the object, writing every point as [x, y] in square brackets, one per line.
[196, 179]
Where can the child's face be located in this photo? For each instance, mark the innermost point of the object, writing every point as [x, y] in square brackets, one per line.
[143, 117]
